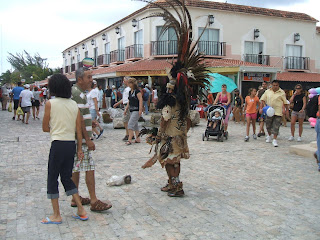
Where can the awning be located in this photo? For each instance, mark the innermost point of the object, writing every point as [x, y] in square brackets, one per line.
[298, 77]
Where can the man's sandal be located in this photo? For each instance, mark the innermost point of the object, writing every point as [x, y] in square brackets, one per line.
[84, 201]
[99, 206]
[128, 143]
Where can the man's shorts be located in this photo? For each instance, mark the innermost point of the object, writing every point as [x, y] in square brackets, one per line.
[299, 115]
[25, 109]
[126, 117]
[273, 124]
[15, 104]
[87, 163]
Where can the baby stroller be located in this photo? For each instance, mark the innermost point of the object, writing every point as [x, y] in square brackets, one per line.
[219, 129]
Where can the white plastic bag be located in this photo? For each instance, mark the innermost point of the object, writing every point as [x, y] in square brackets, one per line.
[119, 180]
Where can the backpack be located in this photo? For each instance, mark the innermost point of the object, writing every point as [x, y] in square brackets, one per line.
[145, 95]
[312, 107]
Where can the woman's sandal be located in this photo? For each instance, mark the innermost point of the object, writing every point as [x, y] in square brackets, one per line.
[99, 206]
[128, 143]
[137, 141]
[84, 201]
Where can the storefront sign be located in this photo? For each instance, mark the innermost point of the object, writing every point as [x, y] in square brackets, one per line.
[256, 77]
[143, 73]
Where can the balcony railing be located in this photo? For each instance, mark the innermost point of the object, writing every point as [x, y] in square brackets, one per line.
[164, 47]
[257, 58]
[134, 51]
[73, 67]
[104, 59]
[212, 48]
[117, 56]
[66, 69]
[298, 63]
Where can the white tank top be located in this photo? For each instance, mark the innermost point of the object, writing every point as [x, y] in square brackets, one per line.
[63, 117]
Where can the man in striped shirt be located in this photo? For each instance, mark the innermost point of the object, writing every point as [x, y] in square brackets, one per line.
[79, 95]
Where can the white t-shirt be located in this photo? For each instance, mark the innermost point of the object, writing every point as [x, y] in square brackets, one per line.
[26, 96]
[125, 95]
[44, 91]
[155, 94]
[90, 96]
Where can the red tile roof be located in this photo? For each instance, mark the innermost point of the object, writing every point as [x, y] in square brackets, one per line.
[298, 77]
[215, 6]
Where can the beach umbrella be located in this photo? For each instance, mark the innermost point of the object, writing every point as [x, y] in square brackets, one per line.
[217, 80]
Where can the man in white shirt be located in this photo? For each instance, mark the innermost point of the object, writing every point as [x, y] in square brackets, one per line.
[124, 101]
[26, 97]
[100, 97]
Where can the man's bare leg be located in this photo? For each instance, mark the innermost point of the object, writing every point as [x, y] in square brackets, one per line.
[76, 179]
[91, 185]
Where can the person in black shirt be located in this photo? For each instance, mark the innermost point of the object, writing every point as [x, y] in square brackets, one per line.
[299, 102]
[107, 94]
[238, 104]
[135, 107]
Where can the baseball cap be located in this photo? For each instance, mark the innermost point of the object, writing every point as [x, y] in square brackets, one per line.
[27, 86]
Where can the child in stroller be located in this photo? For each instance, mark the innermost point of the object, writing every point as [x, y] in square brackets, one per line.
[215, 125]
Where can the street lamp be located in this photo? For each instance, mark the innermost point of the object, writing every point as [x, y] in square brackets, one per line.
[256, 33]
[83, 46]
[76, 50]
[134, 22]
[92, 42]
[63, 55]
[69, 53]
[211, 19]
[117, 30]
[296, 37]
[104, 36]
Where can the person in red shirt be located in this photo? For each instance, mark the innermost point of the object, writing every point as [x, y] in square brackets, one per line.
[251, 109]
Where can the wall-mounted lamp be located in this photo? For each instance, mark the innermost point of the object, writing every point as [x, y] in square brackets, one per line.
[256, 33]
[92, 42]
[63, 55]
[117, 30]
[296, 37]
[69, 53]
[211, 19]
[76, 50]
[83, 46]
[134, 22]
[104, 36]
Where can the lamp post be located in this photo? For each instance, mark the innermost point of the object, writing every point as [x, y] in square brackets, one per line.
[256, 33]
[93, 42]
[210, 19]
[296, 37]
[134, 22]
[104, 36]
[117, 30]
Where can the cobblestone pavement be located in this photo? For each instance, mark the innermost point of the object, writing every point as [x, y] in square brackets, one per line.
[234, 189]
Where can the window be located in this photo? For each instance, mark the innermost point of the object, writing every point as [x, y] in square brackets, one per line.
[209, 41]
[95, 56]
[166, 42]
[78, 57]
[107, 48]
[106, 57]
[121, 48]
[138, 43]
[294, 59]
[66, 62]
[86, 54]
[253, 48]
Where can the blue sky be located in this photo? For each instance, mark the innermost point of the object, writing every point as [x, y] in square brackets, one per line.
[49, 27]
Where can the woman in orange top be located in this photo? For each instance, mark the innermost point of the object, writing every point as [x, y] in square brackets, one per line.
[250, 109]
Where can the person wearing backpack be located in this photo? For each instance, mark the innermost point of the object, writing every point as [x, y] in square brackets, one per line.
[146, 97]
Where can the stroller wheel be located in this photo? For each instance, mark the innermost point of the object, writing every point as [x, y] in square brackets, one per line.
[203, 137]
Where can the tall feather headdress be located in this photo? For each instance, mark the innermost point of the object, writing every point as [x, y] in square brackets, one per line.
[189, 69]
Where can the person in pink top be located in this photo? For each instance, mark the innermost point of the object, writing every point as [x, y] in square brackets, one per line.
[251, 109]
[224, 98]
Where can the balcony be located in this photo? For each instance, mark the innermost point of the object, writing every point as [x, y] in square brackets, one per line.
[164, 47]
[134, 51]
[73, 67]
[212, 48]
[117, 56]
[66, 69]
[257, 58]
[297, 63]
[79, 65]
[104, 59]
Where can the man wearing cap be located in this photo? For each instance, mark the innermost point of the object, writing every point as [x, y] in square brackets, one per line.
[25, 102]
[275, 98]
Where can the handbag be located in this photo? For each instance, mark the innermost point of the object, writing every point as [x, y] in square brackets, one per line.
[19, 111]
[10, 107]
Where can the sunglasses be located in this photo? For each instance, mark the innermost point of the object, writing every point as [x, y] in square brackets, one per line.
[298, 88]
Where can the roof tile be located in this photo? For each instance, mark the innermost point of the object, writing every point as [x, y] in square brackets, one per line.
[298, 77]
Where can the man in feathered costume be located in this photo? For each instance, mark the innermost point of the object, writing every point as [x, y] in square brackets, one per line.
[188, 71]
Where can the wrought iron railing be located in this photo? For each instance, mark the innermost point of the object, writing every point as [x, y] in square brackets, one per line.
[299, 63]
[66, 69]
[164, 47]
[212, 48]
[257, 58]
[117, 56]
[134, 51]
[73, 67]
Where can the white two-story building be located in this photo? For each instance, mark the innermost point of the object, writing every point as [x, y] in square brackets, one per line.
[248, 44]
